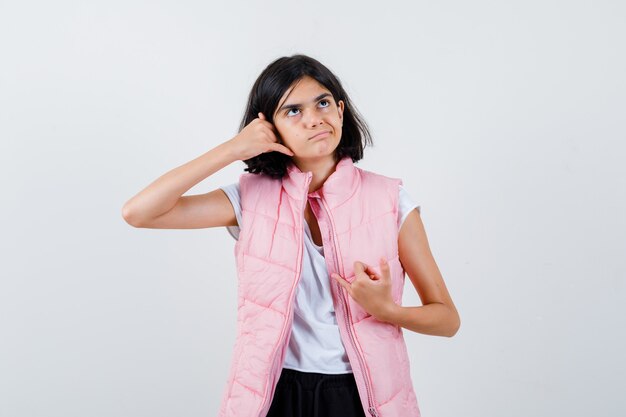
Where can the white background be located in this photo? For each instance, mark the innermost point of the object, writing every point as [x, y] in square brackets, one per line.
[506, 121]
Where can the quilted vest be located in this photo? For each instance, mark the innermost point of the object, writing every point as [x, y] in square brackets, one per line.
[357, 213]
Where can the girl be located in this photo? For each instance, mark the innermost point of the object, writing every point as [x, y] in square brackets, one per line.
[322, 250]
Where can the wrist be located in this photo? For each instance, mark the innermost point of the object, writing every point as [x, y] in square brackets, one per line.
[228, 151]
[389, 312]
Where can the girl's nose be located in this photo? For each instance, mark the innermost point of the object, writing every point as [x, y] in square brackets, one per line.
[312, 119]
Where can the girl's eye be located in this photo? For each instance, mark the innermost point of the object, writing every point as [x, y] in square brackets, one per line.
[321, 101]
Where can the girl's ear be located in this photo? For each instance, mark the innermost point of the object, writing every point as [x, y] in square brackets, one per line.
[340, 107]
[278, 136]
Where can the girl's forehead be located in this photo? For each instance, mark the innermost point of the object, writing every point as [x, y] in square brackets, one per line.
[302, 90]
[304, 84]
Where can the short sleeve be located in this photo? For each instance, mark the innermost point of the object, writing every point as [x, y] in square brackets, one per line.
[405, 205]
[232, 192]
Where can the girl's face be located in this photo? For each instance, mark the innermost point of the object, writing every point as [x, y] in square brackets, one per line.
[304, 111]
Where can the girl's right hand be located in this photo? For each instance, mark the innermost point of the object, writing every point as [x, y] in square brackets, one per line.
[259, 136]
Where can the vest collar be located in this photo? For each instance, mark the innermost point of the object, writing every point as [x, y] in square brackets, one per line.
[337, 188]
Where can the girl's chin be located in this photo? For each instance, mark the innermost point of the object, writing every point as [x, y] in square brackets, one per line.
[320, 149]
[324, 147]
[314, 156]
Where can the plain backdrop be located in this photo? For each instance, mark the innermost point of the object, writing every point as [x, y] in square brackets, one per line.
[505, 120]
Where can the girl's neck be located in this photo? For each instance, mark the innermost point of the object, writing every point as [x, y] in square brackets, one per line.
[321, 170]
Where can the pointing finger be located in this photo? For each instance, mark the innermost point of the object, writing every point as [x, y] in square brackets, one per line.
[359, 267]
[345, 284]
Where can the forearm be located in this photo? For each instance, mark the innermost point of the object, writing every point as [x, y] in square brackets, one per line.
[434, 319]
[163, 193]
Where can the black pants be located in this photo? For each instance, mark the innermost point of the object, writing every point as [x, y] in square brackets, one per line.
[309, 394]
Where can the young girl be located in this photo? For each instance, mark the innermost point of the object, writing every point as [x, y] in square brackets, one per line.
[322, 250]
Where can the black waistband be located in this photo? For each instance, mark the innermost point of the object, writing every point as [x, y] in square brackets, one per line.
[310, 380]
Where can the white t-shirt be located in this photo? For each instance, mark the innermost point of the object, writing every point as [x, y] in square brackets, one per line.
[315, 344]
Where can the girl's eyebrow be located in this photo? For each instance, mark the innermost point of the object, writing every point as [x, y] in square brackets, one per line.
[296, 105]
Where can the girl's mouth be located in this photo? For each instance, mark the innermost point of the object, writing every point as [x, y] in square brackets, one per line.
[320, 135]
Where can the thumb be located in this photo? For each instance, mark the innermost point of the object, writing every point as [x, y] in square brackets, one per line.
[261, 116]
[281, 148]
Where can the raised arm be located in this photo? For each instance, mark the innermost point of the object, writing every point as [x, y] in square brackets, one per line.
[161, 205]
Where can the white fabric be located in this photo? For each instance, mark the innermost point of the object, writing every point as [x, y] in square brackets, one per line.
[315, 344]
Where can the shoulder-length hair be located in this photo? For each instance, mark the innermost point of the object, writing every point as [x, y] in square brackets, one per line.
[265, 95]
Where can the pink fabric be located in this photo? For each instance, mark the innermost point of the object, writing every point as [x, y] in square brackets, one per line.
[356, 211]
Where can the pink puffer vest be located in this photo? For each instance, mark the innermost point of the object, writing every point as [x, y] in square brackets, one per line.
[357, 214]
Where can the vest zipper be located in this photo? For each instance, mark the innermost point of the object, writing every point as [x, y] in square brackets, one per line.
[371, 409]
[298, 273]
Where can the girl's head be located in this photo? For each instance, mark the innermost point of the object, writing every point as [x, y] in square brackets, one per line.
[301, 98]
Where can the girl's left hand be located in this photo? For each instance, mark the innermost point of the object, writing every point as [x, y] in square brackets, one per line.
[369, 289]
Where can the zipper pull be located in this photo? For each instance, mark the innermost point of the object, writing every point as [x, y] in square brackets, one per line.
[373, 411]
